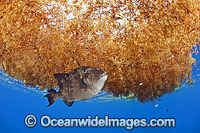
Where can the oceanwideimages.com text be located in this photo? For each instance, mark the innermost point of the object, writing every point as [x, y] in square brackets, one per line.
[106, 121]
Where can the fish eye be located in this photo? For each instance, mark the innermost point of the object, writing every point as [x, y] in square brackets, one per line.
[84, 70]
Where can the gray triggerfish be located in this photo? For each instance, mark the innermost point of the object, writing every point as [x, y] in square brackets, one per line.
[81, 84]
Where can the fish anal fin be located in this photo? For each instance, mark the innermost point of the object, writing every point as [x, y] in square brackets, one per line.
[69, 104]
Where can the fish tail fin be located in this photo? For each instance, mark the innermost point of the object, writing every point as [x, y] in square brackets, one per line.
[52, 96]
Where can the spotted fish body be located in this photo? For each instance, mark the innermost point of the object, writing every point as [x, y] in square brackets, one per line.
[81, 84]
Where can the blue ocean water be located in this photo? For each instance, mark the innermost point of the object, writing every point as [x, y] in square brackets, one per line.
[17, 101]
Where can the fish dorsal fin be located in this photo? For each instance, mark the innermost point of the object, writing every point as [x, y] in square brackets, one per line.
[69, 104]
[60, 77]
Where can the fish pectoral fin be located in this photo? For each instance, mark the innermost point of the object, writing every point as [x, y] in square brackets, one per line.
[69, 104]
[82, 83]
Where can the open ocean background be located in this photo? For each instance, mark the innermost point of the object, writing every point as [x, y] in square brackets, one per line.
[17, 101]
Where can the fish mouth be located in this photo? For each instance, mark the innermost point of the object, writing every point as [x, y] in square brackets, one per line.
[104, 76]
